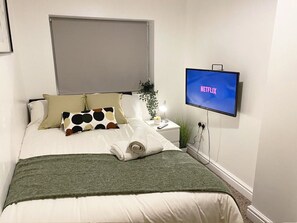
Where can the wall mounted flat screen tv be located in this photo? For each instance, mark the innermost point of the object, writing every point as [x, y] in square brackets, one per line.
[212, 90]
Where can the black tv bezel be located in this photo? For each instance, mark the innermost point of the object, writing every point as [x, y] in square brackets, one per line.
[210, 109]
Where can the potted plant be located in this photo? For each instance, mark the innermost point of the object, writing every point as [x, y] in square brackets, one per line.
[149, 95]
[185, 131]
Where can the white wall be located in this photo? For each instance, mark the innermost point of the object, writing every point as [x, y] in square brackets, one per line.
[13, 117]
[237, 34]
[275, 193]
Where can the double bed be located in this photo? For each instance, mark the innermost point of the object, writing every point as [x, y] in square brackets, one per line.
[157, 206]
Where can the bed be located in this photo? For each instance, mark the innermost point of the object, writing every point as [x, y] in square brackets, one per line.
[172, 206]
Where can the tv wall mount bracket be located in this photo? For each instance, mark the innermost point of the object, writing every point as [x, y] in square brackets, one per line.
[217, 66]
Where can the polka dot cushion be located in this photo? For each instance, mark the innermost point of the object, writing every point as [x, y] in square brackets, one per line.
[101, 118]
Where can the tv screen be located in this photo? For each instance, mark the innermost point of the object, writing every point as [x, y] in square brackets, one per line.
[212, 90]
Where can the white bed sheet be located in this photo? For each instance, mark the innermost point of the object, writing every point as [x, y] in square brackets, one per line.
[153, 207]
[53, 141]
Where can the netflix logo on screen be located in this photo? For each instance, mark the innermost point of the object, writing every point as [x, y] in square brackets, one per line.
[206, 89]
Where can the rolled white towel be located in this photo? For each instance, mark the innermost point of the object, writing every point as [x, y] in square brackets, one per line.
[124, 151]
[138, 141]
[153, 146]
[120, 150]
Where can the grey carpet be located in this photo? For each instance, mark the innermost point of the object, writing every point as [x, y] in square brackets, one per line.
[242, 202]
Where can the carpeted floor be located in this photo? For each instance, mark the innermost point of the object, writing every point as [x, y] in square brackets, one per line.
[242, 202]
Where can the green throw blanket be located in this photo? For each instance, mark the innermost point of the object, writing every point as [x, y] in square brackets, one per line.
[79, 175]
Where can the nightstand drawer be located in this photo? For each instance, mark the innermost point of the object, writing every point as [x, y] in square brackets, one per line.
[172, 134]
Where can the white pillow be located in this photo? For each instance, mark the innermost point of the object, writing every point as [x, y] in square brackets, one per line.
[38, 111]
[134, 107]
[131, 106]
[145, 114]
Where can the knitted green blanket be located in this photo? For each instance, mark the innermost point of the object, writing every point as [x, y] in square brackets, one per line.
[79, 175]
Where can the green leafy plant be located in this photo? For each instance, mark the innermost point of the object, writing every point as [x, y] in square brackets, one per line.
[185, 131]
[149, 95]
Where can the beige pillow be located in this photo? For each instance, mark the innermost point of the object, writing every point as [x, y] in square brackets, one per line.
[58, 104]
[107, 100]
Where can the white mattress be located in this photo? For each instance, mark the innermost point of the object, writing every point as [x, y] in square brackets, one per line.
[153, 207]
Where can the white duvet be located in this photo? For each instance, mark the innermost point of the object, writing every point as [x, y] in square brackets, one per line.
[153, 207]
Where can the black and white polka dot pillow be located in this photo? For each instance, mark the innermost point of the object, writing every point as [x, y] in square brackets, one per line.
[101, 118]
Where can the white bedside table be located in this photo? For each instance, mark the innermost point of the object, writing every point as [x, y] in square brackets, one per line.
[170, 132]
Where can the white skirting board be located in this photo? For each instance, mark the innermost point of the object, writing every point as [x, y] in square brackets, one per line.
[234, 181]
[256, 216]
